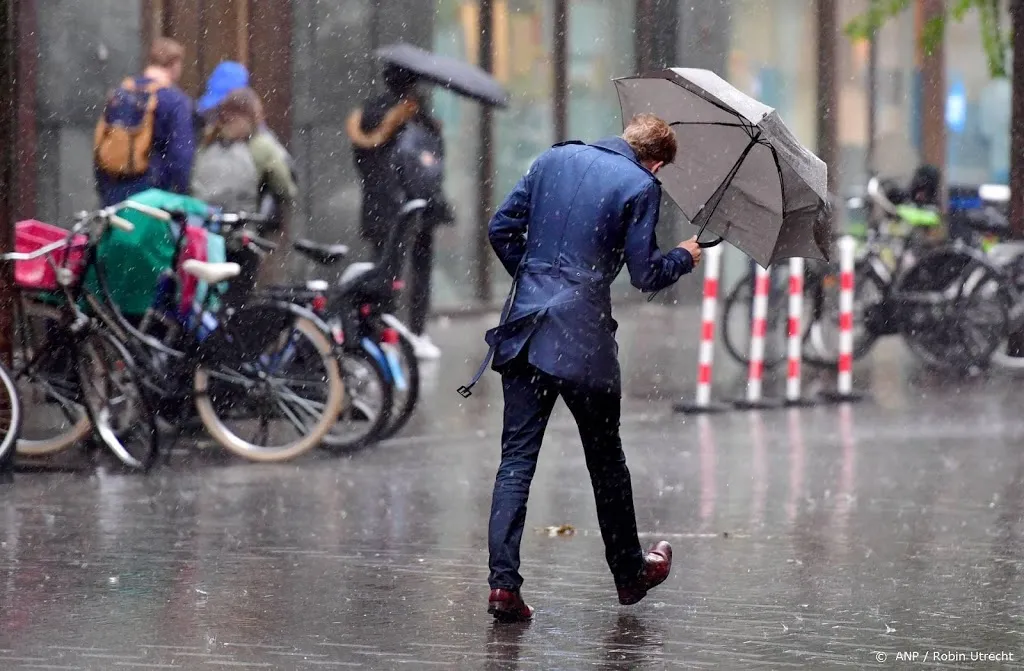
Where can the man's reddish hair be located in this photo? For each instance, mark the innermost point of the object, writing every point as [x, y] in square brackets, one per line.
[651, 138]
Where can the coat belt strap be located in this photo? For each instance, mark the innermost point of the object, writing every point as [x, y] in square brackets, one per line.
[566, 295]
[466, 390]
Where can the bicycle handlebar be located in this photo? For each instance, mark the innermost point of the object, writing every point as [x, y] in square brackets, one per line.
[145, 209]
[123, 224]
[28, 256]
[262, 243]
[108, 214]
[237, 218]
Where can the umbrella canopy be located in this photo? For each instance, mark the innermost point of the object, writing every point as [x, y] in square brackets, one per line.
[450, 73]
[739, 171]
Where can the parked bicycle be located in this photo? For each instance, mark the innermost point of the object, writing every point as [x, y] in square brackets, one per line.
[947, 301]
[80, 381]
[10, 417]
[227, 364]
[369, 387]
[945, 298]
[361, 303]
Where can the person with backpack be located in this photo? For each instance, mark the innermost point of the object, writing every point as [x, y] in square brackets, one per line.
[399, 153]
[237, 165]
[145, 137]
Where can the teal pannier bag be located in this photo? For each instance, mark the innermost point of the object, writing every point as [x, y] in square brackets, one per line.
[132, 261]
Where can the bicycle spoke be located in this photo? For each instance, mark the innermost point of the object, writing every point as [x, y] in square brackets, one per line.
[312, 407]
[297, 423]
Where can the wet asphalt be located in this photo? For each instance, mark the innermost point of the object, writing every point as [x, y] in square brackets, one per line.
[832, 536]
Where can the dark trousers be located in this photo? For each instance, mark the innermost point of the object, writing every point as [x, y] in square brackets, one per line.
[415, 257]
[530, 396]
[421, 267]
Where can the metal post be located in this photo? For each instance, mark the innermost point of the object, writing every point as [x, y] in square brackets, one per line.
[485, 174]
[23, 177]
[1015, 347]
[828, 108]
[1017, 123]
[153, 15]
[8, 159]
[869, 154]
[933, 88]
[642, 38]
[560, 47]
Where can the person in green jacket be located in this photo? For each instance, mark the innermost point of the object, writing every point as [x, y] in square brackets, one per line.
[238, 163]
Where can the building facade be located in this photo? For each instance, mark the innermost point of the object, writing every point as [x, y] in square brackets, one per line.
[312, 62]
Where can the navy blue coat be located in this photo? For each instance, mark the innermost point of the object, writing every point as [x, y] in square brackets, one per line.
[564, 232]
[170, 160]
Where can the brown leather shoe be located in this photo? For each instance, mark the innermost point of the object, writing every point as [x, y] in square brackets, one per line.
[507, 605]
[657, 566]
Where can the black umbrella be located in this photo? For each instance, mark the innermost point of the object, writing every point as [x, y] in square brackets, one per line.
[459, 76]
[740, 172]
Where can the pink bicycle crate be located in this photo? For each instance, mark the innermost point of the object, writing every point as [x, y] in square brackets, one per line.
[38, 273]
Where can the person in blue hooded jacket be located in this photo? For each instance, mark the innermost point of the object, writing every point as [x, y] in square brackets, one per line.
[564, 233]
[225, 78]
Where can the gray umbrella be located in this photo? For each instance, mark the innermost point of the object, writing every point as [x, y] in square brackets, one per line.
[739, 171]
[459, 76]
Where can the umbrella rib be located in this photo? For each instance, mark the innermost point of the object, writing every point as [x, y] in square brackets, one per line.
[778, 169]
[716, 197]
[699, 91]
[712, 123]
[782, 186]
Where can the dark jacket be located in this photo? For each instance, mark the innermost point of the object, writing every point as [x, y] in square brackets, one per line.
[579, 214]
[373, 130]
[170, 161]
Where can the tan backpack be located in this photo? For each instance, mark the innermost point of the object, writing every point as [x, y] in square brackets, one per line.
[124, 134]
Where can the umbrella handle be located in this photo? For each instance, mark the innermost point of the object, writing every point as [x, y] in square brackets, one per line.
[705, 245]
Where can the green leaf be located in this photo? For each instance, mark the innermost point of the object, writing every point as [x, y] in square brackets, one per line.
[995, 35]
[932, 32]
[961, 7]
[878, 13]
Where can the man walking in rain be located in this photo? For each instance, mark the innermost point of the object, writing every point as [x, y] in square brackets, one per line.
[564, 233]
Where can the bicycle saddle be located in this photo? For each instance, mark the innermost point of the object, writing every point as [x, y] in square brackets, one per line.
[353, 273]
[211, 273]
[323, 254]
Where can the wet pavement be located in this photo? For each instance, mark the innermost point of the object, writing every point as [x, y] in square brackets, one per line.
[833, 536]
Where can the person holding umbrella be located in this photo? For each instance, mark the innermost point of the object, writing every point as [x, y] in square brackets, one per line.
[388, 132]
[565, 231]
[399, 152]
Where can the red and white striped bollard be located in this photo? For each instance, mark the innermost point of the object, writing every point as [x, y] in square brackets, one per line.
[794, 335]
[847, 262]
[758, 330]
[706, 355]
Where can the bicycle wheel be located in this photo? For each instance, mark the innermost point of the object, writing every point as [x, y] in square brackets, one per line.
[738, 311]
[869, 300]
[239, 400]
[45, 380]
[406, 367]
[368, 404]
[113, 391]
[1008, 355]
[955, 312]
[10, 415]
